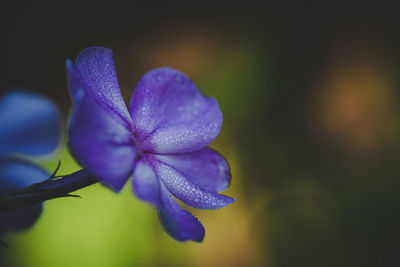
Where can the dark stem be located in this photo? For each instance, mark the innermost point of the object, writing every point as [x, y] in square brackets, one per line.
[49, 189]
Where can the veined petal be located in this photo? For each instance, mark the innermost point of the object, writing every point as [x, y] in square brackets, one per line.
[29, 124]
[100, 128]
[94, 73]
[177, 222]
[170, 115]
[14, 175]
[205, 168]
[100, 142]
[186, 191]
[145, 184]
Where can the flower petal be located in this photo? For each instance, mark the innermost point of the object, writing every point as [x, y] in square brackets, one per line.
[29, 124]
[145, 184]
[205, 168]
[14, 175]
[170, 114]
[186, 191]
[177, 222]
[100, 128]
[94, 73]
[101, 143]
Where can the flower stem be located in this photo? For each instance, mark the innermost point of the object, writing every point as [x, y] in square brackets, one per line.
[49, 189]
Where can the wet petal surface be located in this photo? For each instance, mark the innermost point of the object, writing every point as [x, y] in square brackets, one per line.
[188, 192]
[170, 114]
[205, 168]
[177, 222]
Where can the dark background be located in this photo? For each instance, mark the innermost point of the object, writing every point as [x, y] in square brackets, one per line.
[310, 96]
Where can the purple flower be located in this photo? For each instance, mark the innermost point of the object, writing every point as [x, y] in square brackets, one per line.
[161, 139]
[30, 125]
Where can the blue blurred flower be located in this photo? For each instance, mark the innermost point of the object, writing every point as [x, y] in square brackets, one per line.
[29, 125]
[161, 139]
